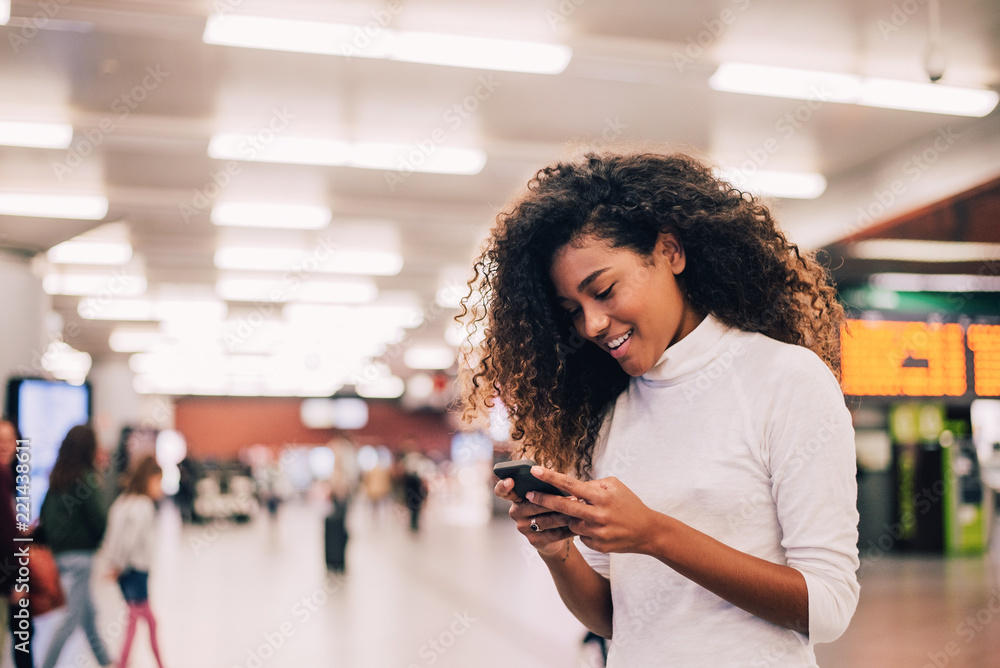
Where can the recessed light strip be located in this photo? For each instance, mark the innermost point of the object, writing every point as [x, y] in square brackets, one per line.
[280, 216]
[935, 282]
[52, 205]
[912, 250]
[335, 153]
[258, 32]
[767, 183]
[802, 84]
[35, 135]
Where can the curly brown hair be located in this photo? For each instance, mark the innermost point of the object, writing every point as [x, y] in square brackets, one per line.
[556, 386]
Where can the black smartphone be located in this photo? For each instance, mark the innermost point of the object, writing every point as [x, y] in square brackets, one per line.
[520, 471]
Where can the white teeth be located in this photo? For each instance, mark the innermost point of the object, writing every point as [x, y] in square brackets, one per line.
[620, 340]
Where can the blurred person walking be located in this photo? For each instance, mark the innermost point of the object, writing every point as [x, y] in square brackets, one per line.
[9, 563]
[130, 545]
[74, 517]
[414, 489]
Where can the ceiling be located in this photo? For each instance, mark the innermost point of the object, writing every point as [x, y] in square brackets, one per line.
[141, 88]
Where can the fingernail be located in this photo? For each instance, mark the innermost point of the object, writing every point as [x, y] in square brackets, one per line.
[537, 470]
[531, 496]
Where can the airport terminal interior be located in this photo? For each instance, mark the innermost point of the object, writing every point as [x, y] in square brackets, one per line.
[236, 237]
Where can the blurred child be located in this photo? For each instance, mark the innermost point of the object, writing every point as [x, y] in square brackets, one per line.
[130, 545]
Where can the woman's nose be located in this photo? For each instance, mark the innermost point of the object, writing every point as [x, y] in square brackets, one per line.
[595, 322]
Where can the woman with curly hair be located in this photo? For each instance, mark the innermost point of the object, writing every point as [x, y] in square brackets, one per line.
[673, 361]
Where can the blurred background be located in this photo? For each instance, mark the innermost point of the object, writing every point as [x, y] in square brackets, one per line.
[234, 235]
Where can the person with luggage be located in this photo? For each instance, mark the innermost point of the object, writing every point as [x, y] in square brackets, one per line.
[74, 518]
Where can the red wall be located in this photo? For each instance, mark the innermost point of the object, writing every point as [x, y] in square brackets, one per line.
[221, 426]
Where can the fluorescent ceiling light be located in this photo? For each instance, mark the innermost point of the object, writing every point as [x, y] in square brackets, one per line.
[201, 311]
[785, 82]
[480, 53]
[438, 160]
[288, 150]
[792, 185]
[358, 291]
[257, 32]
[338, 261]
[35, 135]
[924, 251]
[66, 363]
[335, 153]
[135, 340]
[281, 216]
[81, 251]
[429, 357]
[116, 309]
[112, 284]
[51, 205]
[852, 89]
[927, 97]
[935, 282]
[327, 292]
[4, 12]
[383, 388]
[258, 258]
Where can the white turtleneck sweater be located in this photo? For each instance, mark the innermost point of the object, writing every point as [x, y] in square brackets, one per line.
[748, 440]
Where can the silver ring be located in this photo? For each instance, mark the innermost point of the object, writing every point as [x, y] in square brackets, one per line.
[534, 525]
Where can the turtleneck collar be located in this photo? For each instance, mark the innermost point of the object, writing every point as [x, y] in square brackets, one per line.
[689, 355]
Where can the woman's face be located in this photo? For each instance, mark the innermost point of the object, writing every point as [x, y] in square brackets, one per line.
[8, 442]
[628, 305]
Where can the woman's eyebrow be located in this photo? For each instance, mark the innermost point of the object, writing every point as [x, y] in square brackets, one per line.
[590, 279]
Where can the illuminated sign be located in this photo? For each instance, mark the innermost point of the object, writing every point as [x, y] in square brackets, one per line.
[913, 359]
[984, 342]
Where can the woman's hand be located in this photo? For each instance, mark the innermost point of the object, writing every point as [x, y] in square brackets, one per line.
[611, 518]
[552, 532]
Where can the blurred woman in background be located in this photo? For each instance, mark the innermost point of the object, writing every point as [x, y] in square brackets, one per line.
[74, 518]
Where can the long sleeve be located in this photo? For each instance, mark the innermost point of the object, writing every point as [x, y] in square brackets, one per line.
[810, 441]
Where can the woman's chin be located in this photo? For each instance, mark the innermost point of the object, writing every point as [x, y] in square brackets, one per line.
[633, 367]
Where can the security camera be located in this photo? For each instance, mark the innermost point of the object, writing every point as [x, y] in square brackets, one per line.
[934, 63]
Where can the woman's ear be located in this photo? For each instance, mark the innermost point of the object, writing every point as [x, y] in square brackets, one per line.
[669, 246]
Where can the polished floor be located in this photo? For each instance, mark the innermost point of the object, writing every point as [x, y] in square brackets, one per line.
[466, 595]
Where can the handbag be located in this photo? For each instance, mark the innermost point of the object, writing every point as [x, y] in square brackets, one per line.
[45, 590]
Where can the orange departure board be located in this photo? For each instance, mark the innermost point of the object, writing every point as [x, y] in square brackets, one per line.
[984, 342]
[913, 359]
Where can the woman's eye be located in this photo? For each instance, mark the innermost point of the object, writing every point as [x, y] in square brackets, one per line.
[572, 313]
[605, 294]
